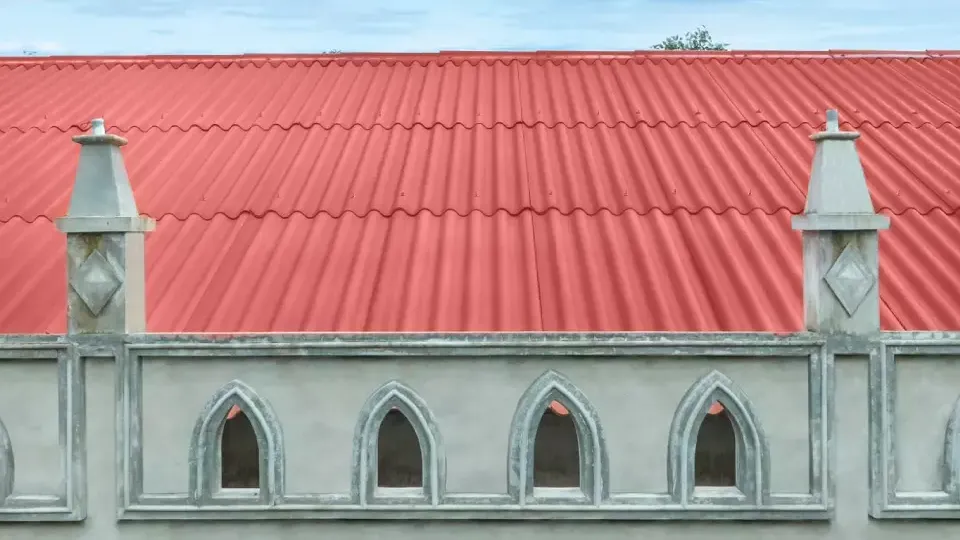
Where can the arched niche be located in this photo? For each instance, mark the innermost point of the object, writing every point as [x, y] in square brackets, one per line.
[395, 396]
[206, 450]
[593, 487]
[752, 451]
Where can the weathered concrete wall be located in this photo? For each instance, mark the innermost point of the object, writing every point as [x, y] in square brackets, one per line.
[29, 408]
[317, 401]
[318, 404]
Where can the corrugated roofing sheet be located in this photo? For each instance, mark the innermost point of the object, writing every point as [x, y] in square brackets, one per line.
[337, 171]
[577, 272]
[469, 192]
[431, 91]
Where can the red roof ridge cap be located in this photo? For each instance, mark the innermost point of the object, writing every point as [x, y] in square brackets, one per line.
[447, 55]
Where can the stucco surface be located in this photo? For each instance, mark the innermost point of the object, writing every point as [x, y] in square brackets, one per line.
[474, 401]
[927, 388]
[28, 409]
[850, 521]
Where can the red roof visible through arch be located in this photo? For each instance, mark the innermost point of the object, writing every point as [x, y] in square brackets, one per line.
[549, 191]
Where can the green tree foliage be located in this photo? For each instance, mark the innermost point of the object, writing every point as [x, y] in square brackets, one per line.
[698, 40]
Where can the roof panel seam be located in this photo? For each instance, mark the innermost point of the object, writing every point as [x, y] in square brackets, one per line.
[892, 155]
[759, 139]
[922, 88]
[402, 213]
[460, 125]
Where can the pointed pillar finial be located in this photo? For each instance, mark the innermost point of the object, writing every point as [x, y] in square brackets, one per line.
[105, 241]
[840, 242]
[833, 121]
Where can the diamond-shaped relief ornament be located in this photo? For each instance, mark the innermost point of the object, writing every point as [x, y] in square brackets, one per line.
[850, 279]
[95, 282]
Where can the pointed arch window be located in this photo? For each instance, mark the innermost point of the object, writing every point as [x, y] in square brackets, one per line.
[398, 451]
[239, 452]
[715, 462]
[6, 464]
[399, 459]
[236, 451]
[557, 449]
[718, 452]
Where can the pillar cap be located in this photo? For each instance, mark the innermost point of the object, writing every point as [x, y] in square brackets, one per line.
[840, 222]
[838, 198]
[98, 135]
[97, 225]
[102, 199]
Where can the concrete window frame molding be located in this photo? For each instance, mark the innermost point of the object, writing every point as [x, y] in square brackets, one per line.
[206, 451]
[70, 503]
[886, 501]
[601, 501]
[6, 464]
[364, 491]
[752, 486]
[594, 485]
[951, 454]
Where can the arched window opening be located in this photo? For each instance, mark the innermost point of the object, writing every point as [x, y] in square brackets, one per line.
[239, 452]
[715, 462]
[556, 453]
[717, 447]
[399, 459]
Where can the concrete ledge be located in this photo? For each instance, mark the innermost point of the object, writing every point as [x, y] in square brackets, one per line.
[840, 222]
[94, 225]
[97, 138]
[606, 512]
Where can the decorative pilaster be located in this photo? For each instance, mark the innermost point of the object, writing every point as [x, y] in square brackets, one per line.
[840, 241]
[105, 242]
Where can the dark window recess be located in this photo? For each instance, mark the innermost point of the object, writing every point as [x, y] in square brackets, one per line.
[556, 452]
[715, 463]
[399, 462]
[240, 455]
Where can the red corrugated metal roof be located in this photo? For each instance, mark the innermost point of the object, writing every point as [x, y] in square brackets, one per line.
[472, 192]
[641, 169]
[478, 90]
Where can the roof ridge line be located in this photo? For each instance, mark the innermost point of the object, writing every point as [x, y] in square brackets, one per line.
[471, 57]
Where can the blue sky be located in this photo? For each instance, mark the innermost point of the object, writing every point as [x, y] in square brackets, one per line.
[236, 26]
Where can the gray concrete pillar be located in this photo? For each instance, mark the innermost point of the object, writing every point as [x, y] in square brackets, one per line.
[105, 242]
[840, 239]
